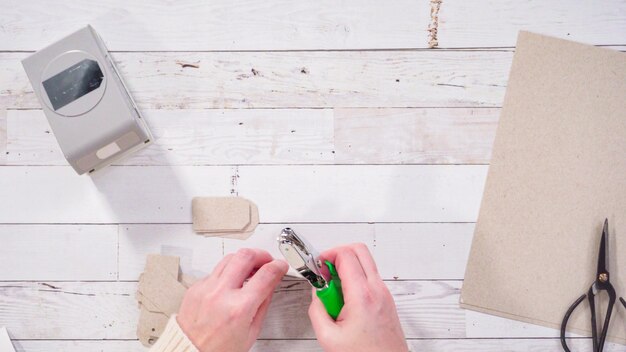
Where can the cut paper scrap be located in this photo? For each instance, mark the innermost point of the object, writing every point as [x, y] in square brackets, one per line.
[160, 292]
[557, 171]
[230, 217]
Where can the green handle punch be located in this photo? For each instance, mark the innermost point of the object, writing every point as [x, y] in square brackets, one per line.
[302, 257]
[332, 296]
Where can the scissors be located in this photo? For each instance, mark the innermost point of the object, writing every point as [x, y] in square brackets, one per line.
[602, 283]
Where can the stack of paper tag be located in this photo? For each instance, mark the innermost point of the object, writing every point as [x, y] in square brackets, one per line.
[160, 293]
[230, 217]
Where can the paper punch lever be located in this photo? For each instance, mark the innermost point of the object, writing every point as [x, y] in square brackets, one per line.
[304, 259]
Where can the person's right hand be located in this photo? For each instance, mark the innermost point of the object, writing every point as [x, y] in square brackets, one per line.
[368, 320]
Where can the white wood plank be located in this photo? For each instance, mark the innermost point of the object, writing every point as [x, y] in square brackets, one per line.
[55, 194]
[503, 345]
[284, 136]
[16, 89]
[442, 345]
[484, 325]
[401, 251]
[198, 254]
[89, 252]
[99, 310]
[58, 252]
[408, 193]
[197, 137]
[296, 79]
[451, 345]
[422, 251]
[482, 23]
[193, 25]
[154, 194]
[406, 136]
[321, 237]
[79, 346]
[69, 310]
[3, 136]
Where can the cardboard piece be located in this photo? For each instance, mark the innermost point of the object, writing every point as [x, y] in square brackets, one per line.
[5, 341]
[159, 294]
[150, 326]
[248, 231]
[156, 265]
[163, 292]
[558, 170]
[230, 217]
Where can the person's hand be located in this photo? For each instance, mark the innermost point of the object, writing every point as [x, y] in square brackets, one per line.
[368, 320]
[220, 312]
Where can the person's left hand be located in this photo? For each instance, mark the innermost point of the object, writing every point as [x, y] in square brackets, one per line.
[220, 312]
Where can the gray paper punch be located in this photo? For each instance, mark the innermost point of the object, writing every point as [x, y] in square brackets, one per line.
[92, 115]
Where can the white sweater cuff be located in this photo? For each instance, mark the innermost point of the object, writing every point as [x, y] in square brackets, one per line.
[173, 339]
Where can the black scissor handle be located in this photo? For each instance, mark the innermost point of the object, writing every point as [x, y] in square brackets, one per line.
[598, 341]
[566, 318]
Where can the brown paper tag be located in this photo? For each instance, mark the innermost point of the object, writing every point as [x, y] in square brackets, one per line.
[218, 217]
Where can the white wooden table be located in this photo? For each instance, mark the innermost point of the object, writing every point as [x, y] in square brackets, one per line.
[333, 116]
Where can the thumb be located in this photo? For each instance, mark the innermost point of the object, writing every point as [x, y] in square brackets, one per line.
[321, 321]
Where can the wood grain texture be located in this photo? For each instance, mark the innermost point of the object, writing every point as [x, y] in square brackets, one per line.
[198, 254]
[478, 325]
[415, 345]
[3, 136]
[155, 194]
[321, 236]
[62, 252]
[69, 310]
[197, 137]
[426, 309]
[192, 25]
[284, 136]
[414, 136]
[90, 252]
[78, 346]
[108, 310]
[422, 251]
[452, 345]
[385, 193]
[55, 194]
[482, 23]
[401, 251]
[296, 79]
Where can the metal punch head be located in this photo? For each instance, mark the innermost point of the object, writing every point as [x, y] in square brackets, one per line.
[302, 257]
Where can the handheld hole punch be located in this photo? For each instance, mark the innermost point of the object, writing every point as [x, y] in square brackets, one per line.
[304, 259]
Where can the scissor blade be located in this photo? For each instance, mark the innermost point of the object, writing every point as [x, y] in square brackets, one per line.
[603, 254]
